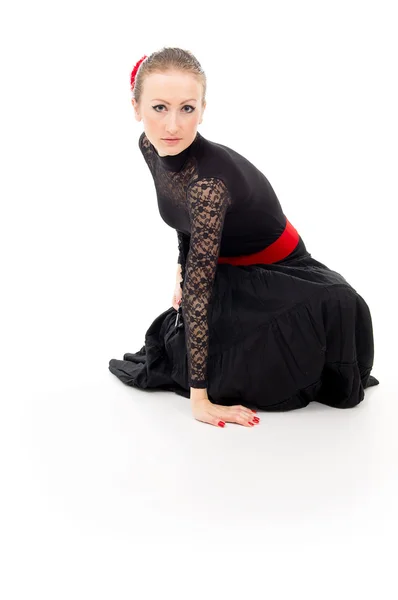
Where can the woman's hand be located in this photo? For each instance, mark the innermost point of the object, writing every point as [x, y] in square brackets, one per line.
[177, 296]
[207, 412]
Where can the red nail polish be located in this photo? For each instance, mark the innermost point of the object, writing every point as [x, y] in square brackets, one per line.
[221, 423]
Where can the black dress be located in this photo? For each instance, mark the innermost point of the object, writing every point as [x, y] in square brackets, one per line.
[274, 336]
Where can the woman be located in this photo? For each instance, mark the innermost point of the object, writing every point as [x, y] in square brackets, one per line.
[261, 324]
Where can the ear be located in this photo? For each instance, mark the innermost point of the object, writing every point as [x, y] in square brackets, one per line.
[136, 110]
[203, 110]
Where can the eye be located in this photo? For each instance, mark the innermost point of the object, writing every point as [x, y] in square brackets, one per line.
[185, 106]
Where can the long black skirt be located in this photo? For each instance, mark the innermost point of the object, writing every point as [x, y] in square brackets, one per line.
[280, 336]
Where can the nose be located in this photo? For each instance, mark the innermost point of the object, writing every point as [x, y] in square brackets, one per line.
[172, 125]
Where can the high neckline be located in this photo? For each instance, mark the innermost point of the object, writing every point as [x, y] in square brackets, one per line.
[175, 162]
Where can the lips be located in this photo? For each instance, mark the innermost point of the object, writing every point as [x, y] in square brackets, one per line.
[171, 139]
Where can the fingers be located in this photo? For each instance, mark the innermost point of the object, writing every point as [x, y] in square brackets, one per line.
[233, 414]
[243, 419]
[176, 302]
[245, 412]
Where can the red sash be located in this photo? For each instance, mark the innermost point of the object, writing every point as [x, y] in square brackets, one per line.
[278, 250]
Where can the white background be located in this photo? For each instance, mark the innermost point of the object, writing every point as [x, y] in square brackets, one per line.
[109, 492]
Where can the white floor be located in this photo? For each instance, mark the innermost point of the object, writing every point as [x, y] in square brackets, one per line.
[109, 490]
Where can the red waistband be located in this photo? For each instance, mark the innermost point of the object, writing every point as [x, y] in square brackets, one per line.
[278, 250]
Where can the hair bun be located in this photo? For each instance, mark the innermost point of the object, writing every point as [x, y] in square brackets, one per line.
[134, 71]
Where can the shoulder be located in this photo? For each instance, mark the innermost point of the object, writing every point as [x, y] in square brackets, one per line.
[209, 193]
[220, 152]
[222, 162]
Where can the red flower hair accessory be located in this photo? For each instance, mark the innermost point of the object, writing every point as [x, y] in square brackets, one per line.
[134, 71]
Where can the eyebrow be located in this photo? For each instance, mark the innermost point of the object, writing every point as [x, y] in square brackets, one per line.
[159, 100]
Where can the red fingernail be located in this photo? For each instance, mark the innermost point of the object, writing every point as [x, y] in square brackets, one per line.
[221, 423]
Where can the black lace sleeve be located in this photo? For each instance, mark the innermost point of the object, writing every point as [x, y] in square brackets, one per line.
[208, 200]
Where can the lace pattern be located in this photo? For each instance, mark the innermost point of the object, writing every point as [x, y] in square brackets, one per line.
[169, 184]
[208, 200]
[205, 202]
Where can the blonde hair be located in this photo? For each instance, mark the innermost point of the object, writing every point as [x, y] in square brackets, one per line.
[164, 60]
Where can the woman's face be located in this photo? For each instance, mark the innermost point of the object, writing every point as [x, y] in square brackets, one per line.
[170, 107]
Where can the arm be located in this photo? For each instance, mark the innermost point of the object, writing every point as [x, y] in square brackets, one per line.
[183, 248]
[208, 200]
[178, 275]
